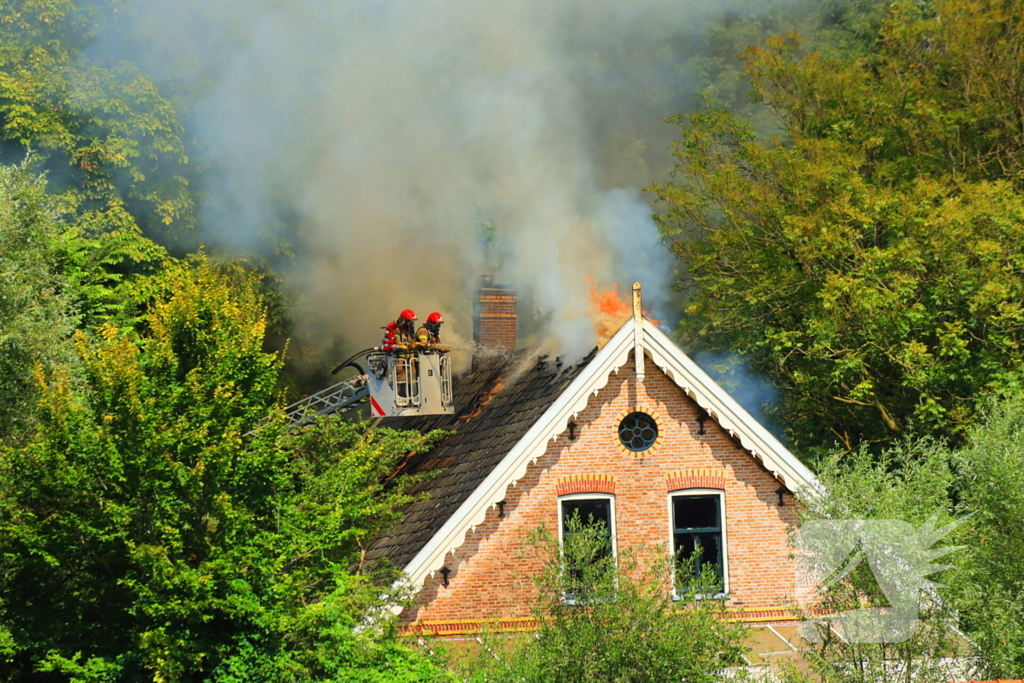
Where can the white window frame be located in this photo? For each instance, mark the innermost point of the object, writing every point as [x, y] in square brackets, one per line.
[725, 537]
[568, 599]
[589, 496]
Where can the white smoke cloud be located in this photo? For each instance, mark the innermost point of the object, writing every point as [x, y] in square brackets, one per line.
[383, 130]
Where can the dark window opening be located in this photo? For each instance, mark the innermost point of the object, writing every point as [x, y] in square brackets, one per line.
[586, 539]
[592, 512]
[697, 542]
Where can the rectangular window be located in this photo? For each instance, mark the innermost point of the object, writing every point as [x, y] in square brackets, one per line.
[697, 534]
[576, 513]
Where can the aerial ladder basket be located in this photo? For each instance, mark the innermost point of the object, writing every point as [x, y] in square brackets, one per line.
[416, 381]
[407, 381]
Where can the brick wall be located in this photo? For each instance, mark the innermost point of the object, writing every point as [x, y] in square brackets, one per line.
[495, 317]
[490, 577]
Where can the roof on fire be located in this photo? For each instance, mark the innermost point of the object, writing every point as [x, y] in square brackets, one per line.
[507, 411]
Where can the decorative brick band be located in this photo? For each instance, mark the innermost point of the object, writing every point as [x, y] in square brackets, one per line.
[586, 483]
[657, 441]
[700, 478]
[749, 615]
[462, 627]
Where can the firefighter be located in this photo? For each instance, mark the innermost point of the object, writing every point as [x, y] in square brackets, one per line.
[406, 328]
[399, 336]
[400, 331]
[430, 333]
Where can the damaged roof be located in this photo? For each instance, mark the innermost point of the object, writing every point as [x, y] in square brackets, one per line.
[495, 405]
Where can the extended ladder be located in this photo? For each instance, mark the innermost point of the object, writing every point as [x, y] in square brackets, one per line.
[339, 398]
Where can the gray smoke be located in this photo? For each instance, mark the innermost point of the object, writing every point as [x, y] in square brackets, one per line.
[372, 139]
[755, 393]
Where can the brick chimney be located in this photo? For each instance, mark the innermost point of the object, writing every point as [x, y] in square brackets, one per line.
[494, 318]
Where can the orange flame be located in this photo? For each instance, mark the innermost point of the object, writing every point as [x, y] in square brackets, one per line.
[609, 309]
[486, 397]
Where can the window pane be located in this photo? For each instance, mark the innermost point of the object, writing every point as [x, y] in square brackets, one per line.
[585, 550]
[591, 512]
[697, 536]
[695, 512]
[710, 545]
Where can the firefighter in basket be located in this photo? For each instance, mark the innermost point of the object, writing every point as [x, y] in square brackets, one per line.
[400, 332]
[430, 333]
[399, 338]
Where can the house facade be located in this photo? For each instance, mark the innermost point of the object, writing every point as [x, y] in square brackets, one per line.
[635, 435]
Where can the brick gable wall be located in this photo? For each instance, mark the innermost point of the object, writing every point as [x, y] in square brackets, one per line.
[490, 573]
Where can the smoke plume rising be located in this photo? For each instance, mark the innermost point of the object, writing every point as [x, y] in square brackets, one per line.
[378, 140]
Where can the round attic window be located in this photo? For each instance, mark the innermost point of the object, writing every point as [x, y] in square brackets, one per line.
[638, 431]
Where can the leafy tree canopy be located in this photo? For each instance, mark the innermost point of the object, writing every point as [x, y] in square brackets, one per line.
[149, 533]
[980, 488]
[111, 142]
[869, 260]
[56, 275]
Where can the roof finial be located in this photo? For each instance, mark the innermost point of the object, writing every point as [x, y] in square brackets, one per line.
[638, 332]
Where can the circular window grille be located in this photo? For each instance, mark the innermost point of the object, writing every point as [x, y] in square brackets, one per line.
[638, 431]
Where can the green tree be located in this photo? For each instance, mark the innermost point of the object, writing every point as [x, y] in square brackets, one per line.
[911, 482]
[36, 308]
[606, 618]
[55, 276]
[990, 591]
[147, 532]
[869, 260]
[103, 129]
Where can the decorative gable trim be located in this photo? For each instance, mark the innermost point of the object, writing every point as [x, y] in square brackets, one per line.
[684, 372]
[729, 414]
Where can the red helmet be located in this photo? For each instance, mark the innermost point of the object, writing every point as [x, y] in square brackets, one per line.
[408, 314]
[435, 317]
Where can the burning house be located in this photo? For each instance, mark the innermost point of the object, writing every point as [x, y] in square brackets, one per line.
[635, 434]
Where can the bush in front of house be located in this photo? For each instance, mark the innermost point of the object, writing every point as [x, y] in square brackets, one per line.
[607, 617]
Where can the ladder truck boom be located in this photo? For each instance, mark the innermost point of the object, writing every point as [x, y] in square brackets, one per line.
[338, 398]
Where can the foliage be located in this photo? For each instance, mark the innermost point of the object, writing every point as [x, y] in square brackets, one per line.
[712, 60]
[910, 482]
[148, 533]
[55, 275]
[606, 618]
[980, 593]
[989, 593]
[36, 312]
[870, 261]
[111, 141]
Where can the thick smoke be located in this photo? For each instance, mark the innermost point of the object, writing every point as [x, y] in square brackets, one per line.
[378, 139]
